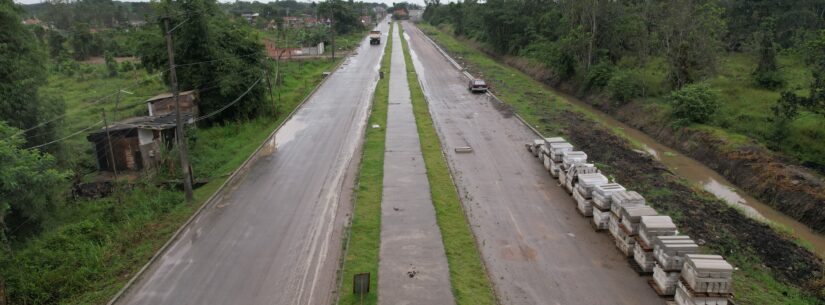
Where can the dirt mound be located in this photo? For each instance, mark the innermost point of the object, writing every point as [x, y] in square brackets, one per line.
[703, 217]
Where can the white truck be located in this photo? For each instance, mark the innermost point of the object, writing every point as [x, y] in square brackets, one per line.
[375, 37]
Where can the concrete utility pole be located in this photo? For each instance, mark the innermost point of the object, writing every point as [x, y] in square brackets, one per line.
[180, 136]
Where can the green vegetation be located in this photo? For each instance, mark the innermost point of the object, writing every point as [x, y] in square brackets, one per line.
[754, 282]
[694, 103]
[471, 286]
[364, 239]
[89, 249]
[748, 51]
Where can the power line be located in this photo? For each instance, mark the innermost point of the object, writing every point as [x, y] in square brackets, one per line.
[230, 104]
[67, 137]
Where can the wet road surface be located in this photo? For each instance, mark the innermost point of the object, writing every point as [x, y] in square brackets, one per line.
[274, 236]
[535, 245]
[413, 267]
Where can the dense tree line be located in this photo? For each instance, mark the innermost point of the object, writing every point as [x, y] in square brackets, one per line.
[216, 54]
[28, 178]
[572, 37]
[63, 14]
[603, 46]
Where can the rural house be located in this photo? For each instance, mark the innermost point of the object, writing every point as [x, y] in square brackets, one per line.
[136, 142]
[162, 104]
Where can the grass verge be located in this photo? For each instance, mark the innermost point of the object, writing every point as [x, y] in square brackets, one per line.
[91, 247]
[754, 283]
[471, 286]
[364, 238]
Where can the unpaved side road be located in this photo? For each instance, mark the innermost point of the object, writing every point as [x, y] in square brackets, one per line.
[537, 248]
[413, 267]
[273, 236]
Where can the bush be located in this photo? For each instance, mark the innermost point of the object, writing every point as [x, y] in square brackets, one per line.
[694, 103]
[771, 80]
[598, 77]
[625, 85]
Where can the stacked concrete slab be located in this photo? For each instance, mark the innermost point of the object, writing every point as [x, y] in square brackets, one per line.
[639, 232]
[669, 253]
[602, 198]
[554, 163]
[706, 279]
[571, 177]
[583, 191]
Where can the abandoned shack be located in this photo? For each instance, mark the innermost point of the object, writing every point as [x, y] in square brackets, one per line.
[136, 142]
[163, 104]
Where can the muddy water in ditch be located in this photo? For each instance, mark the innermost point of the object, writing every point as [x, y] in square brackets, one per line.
[710, 180]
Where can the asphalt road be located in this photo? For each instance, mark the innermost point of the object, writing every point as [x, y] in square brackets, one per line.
[413, 267]
[537, 248]
[274, 236]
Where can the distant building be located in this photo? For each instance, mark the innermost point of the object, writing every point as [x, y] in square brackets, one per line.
[163, 104]
[251, 17]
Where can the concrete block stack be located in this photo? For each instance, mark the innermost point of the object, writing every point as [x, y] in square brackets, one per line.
[569, 160]
[535, 147]
[628, 222]
[651, 227]
[651, 240]
[620, 200]
[554, 162]
[602, 198]
[571, 177]
[669, 253]
[544, 149]
[706, 279]
[632, 216]
[584, 189]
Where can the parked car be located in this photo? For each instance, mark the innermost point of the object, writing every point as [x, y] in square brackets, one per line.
[477, 85]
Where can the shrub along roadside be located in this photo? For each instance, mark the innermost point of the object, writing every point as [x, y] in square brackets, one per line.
[92, 247]
[763, 278]
[471, 286]
[364, 236]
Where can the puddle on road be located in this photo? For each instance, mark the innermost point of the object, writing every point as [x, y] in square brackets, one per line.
[288, 132]
[708, 179]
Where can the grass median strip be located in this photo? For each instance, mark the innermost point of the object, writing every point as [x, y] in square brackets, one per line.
[365, 229]
[469, 279]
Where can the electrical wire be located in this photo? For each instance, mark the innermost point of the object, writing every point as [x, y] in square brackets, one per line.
[67, 137]
[228, 105]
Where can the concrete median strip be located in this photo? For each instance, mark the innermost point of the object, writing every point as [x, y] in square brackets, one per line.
[413, 266]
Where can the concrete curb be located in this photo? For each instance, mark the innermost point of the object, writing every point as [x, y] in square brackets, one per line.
[210, 201]
[470, 76]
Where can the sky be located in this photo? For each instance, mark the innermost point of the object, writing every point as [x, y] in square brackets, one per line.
[387, 2]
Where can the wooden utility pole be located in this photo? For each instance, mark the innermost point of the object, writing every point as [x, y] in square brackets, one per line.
[180, 136]
[109, 141]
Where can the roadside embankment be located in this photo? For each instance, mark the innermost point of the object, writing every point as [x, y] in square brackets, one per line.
[775, 179]
[773, 268]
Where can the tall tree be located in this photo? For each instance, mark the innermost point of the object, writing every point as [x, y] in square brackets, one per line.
[22, 72]
[216, 55]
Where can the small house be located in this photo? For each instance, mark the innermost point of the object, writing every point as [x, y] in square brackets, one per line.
[163, 104]
[136, 143]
